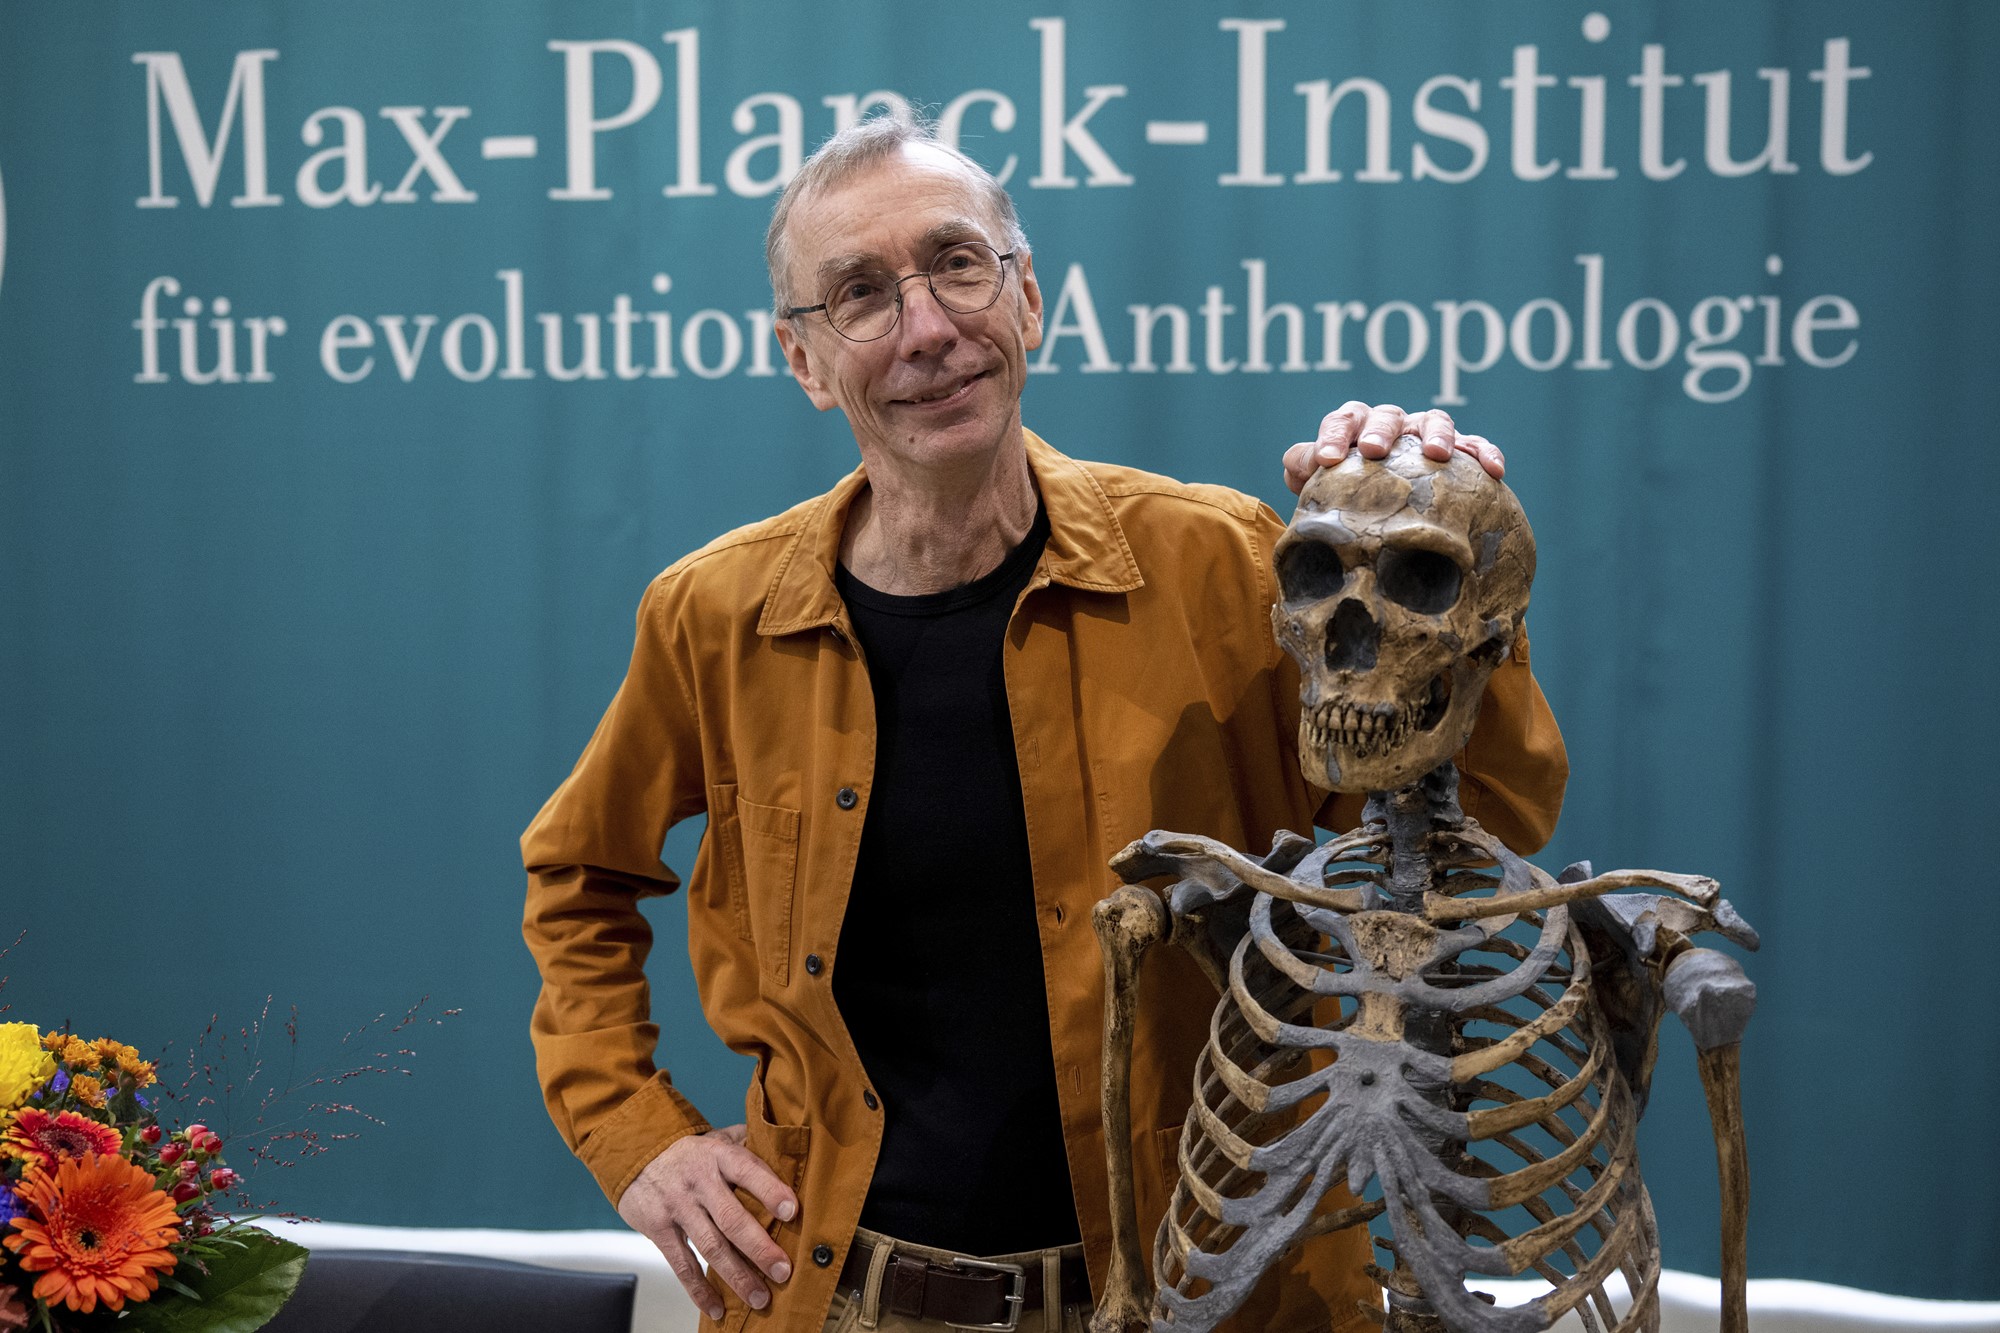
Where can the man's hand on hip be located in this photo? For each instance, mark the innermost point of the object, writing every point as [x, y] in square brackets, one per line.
[1374, 429]
[687, 1196]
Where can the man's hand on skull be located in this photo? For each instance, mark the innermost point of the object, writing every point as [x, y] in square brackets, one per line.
[687, 1196]
[1374, 429]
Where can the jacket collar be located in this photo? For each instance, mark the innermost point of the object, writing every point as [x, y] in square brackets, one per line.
[1087, 547]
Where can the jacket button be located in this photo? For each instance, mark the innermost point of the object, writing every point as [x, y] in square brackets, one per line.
[845, 798]
[823, 1255]
[868, 1099]
[813, 964]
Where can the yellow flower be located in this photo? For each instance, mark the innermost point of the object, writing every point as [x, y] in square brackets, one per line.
[24, 1065]
[78, 1052]
[54, 1041]
[140, 1070]
[110, 1052]
[87, 1090]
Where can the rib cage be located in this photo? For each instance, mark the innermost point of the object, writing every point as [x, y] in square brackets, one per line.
[1475, 1109]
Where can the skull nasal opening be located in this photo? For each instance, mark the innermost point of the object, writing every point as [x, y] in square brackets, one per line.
[1352, 636]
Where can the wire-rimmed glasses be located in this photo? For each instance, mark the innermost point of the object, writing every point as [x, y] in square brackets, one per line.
[965, 278]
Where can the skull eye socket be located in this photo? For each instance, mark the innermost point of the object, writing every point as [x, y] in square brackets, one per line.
[1310, 571]
[1423, 581]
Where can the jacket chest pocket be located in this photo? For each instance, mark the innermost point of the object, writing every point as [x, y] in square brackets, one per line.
[760, 847]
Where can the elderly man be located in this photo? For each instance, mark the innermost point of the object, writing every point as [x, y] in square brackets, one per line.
[920, 713]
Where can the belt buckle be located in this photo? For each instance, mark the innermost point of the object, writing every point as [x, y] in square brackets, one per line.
[1015, 1299]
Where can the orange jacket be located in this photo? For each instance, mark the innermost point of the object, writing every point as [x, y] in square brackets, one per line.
[1146, 692]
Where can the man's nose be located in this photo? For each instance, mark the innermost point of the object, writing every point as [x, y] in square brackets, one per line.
[925, 325]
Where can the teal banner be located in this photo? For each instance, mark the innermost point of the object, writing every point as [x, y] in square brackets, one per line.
[360, 364]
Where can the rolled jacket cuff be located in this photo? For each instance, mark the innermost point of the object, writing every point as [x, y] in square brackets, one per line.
[642, 1128]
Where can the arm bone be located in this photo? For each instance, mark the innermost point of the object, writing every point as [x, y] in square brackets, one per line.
[1713, 997]
[1128, 923]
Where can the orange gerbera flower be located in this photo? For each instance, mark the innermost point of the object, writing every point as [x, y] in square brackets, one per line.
[103, 1233]
[40, 1139]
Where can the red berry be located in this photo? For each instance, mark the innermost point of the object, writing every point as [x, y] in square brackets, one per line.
[222, 1178]
[186, 1191]
[188, 1169]
[196, 1131]
[149, 1135]
[211, 1145]
[172, 1153]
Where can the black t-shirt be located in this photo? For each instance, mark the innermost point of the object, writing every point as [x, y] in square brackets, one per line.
[939, 973]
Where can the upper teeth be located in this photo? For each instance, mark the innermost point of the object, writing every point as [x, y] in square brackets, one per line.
[942, 393]
[1364, 730]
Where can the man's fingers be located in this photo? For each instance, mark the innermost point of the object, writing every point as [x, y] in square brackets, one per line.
[1338, 430]
[1380, 430]
[747, 1171]
[1436, 430]
[749, 1239]
[684, 1198]
[1300, 463]
[724, 1260]
[1487, 452]
[674, 1248]
[1374, 430]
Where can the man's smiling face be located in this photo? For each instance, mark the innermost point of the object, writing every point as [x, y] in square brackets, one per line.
[940, 388]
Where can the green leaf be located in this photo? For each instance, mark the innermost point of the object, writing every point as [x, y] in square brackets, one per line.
[183, 1288]
[240, 1292]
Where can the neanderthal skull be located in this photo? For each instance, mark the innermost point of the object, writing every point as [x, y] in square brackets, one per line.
[1402, 585]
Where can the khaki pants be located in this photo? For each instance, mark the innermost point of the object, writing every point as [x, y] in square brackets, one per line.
[864, 1311]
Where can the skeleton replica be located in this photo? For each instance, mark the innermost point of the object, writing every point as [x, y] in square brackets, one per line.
[1411, 1009]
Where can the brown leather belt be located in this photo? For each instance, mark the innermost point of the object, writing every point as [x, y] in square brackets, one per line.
[966, 1293]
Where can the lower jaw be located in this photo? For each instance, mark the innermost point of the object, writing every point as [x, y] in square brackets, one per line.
[1346, 770]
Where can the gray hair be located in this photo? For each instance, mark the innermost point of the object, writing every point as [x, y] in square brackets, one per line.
[859, 146]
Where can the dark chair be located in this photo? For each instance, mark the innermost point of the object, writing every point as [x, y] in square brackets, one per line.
[397, 1291]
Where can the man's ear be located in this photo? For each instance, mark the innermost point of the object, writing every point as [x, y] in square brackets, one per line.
[1031, 304]
[800, 359]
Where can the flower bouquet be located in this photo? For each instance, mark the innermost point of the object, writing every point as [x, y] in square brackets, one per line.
[107, 1217]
